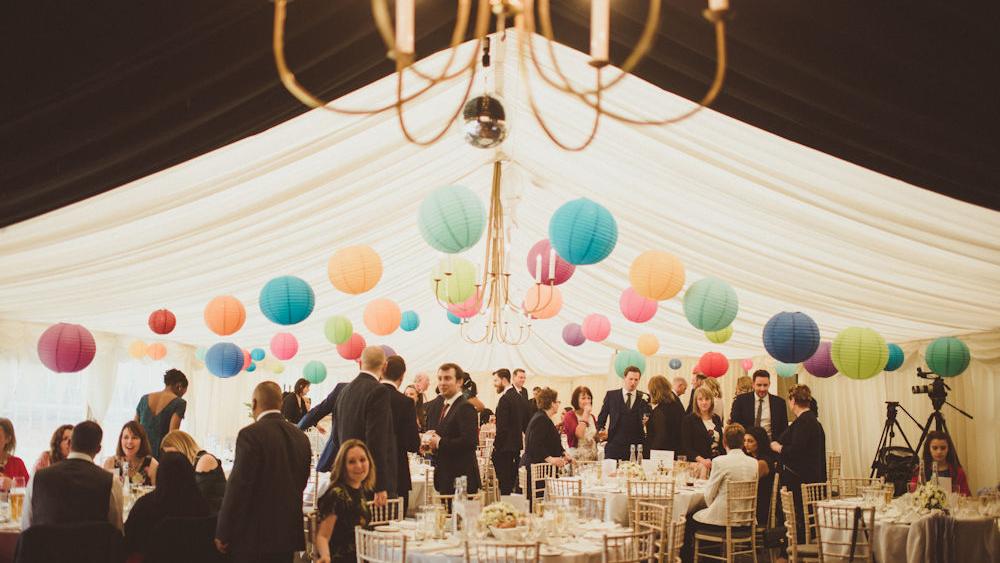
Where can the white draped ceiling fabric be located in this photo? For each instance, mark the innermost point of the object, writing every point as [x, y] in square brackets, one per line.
[790, 228]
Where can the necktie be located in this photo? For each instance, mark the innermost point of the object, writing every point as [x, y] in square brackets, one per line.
[760, 408]
[444, 411]
[628, 402]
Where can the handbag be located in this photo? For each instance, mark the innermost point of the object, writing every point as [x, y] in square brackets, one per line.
[775, 538]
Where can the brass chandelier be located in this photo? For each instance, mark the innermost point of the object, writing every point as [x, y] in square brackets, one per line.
[529, 17]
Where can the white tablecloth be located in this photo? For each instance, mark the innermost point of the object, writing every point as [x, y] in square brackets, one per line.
[686, 501]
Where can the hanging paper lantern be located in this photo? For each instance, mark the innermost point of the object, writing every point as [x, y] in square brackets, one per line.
[156, 351]
[859, 353]
[583, 232]
[573, 334]
[626, 358]
[452, 219]
[287, 300]
[453, 319]
[675, 364]
[786, 370]
[947, 356]
[791, 337]
[252, 367]
[468, 308]
[539, 266]
[162, 321]
[647, 345]
[456, 280]
[635, 307]
[338, 329]
[257, 354]
[713, 364]
[66, 348]
[410, 321]
[657, 275]
[821, 364]
[284, 346]
[720, 336]
[200, 352]
[247, 360]
[382, 316]
[224, 359]
[542, 301]
[314, 372]
[596, 327]
[224, 315]
[747, 364]
[710, 304]
[895, 357]
[355, 269]
[387, 350]
[137, 349]
[352, 348]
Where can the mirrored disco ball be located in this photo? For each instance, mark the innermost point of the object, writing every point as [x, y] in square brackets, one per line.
[484, 122]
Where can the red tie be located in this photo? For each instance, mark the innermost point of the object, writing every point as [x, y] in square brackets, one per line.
[444, 411]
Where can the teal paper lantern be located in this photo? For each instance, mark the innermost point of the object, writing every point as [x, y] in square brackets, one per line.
[786, 370]
[410, 321]
[895, 358]
[452, 219]
[252, 367]
[859, 353]
[454, 318]
[583, 232]
[287, 300]
[200, 352]
[454, 279]
[257, 354]
[626, 358]
[314, 372]
[947, 356]
[224, 359]
[710, 304]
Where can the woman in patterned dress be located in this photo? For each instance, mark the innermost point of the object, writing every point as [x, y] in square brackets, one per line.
[344, 505]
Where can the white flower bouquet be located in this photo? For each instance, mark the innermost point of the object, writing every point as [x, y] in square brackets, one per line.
[929, 496]
[499, 515]
[631, 470]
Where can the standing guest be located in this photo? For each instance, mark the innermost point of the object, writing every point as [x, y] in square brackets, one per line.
[744, 385]
[663, 432]
[761, 408]
[294, 406]
[756, 446]
[11, 466]
[364, 412]
[317, 413]
[518, 379]
[162, 411]
[713, 385]
[344, 505]
[404, 413]
[697, 379]
[487, 420]
[580, 425]
[421, 382]
[813, 406]
[74, 490]
[701, 433]
[802, 450]
[541, 441]
[265, 487]
[208, 473]
[533, 402]
[58, 448]
[133, 449]
[411, 393]
[453, 434]
[941, 460]
[625, 409]
[176, 496]
[680, 387]
[511, 423]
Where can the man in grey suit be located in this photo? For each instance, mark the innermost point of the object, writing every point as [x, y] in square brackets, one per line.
[364, 412]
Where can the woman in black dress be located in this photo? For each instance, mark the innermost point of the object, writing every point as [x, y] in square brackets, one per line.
[755, 445]
[293, 406]
[663, 431]
[176, 496]
[344, 505]
[208, 473]
[542, 443]
[701, 434]
[802, 450]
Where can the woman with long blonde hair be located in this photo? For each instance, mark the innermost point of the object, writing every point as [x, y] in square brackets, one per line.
[208, 473]
[344, 505]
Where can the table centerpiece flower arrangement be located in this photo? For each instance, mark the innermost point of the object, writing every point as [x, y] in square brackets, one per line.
[930, 497]
[502, 520]
[631, 470]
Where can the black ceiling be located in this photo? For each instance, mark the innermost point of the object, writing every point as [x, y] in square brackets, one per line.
[97, 94]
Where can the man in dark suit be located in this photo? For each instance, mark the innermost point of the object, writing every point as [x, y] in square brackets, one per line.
[314, 416]
[454, 433]
[404, 415]
[512, 421]
[761, 408]
[625, 409]
[421, 382]
[517, 380]
[364, 412]
[261, 516]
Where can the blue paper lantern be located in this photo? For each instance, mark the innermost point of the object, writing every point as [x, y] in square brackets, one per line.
[287, 300]
[410, 321]
[314, 372]
[224, 359]
[675, 364]
[257, 354]
[454, 318]
[710, 304]
[896, 358]
[452, 219]
[252, 367]
[583, 232]
[947, 356]
[791, 337]
[786, 369]
[626, 358]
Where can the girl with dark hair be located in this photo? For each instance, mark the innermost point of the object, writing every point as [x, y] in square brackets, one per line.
[58, 448]
[755, 445]
[133, 449]
[939, 456]
[294, 405]
[11, 466]
[162, 411]
[344, 505]
[176, 496]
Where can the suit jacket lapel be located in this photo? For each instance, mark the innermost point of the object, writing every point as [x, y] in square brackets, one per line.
[451, 411]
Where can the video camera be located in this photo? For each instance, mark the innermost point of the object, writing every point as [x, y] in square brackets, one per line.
[937, 389]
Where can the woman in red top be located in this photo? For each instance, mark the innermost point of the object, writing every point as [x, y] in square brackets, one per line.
[11, 467]
[580, 426]
[939, 453]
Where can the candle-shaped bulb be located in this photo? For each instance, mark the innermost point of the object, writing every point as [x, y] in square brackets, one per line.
[600, 29]
[718, 5]
[552, 265]
[405, 18]
[538, 267]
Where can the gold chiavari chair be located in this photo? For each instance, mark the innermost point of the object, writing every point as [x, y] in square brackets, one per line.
[428, 485]
[447, 500]
[811, 493]
[677, 539]
[311, 525]
[539, 473]
[580, 467]
[660, 491]
[392, 511]
[845, 533]
[590, 507]
[490, 487]
[635, 547]
[741, 513]
[853, 486]
[378, 547]
[487, 435]
[563, 487]
[833, 471]
[797, 553]
[522, 480]
[655, 517]
[488, 552]
[771, 514]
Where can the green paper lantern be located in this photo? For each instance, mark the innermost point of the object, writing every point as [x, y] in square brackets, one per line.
[626, 358]
[859, 353]
[710, 304]
[947, 356]
[457, 280]
[720, 336]
[314, 372]
[786, 370]
[338, 329]
[452, 219]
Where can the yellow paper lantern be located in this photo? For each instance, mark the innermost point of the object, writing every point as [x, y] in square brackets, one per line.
[355, 269]
[137, 349]
[456, 280]
[656, 274]
[720, 336]
[156, 351]
[647, 345]
[543, 301]
[382, 316]
[225, 315]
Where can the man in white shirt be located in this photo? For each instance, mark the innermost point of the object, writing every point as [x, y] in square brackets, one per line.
[761, 408]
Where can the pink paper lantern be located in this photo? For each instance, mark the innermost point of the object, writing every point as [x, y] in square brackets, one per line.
[351, 348]
[596, 327]
[246, 358]
[713, 364]
[747, 364]
[542, 270]
[284, 346]
[821, 363]
[468, 308]
[573, 334]
[66, 348]
[637, 308]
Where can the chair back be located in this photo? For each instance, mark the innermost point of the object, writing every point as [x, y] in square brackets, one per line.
[590, 507]
[428, 485]
[563, 487]
[635, 547]
[741, 503]
[676, 539]
[488, 552]
[448, 500]
[845, 532]
[853, 486]
[832, 466]
[81, 542]
[487, 436]
[811, 494]
[539, 473]
[650, 516]
[490, 485]
[660, 491]
[788, 507]
[772, 519]
[392, 511]
[379, 547]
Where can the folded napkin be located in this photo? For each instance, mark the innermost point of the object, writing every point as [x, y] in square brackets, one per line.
[932, 538]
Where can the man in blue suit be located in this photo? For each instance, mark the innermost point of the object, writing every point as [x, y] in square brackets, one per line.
[625, 408]
[315, 415]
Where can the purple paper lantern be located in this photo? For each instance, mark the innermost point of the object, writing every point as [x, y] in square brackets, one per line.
[387, 350]
[539, 268]
[573, 334]
[821, 364]
[66, 348]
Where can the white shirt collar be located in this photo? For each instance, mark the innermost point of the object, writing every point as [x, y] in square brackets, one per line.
[265, 413]
[625, 392]
[80, 455]
[450, 401]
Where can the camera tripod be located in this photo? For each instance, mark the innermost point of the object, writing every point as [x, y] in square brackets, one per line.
[880, 463]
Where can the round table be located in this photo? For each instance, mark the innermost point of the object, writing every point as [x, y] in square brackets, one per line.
[687, 500]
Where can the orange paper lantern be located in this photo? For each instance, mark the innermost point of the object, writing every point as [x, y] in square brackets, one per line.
[543, 301]
[156, 351]
[355, 269]
[225, 315]
[647, 345]
[382, 316]
[656, 275]
[137, 349]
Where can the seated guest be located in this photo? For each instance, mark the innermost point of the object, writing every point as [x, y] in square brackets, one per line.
[712, 385]
[208, 473]
[74, 490]
[133, 449]
[58, 448]
[580, 425]
[744, 385]
[802, 451]
[701, 431]
[756, 446]
[344, 505]
[680, 386]
[663, 431]
[11, 467]
[941, 460]
[162, 411]
[176, 496]
[454, 433]
[487, 420]
[411, 393]
[293, 406]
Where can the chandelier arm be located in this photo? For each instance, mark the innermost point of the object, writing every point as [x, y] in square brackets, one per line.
[538, 286]
[458, 110]
[457, 34]
[541, 120]
[465, 335]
